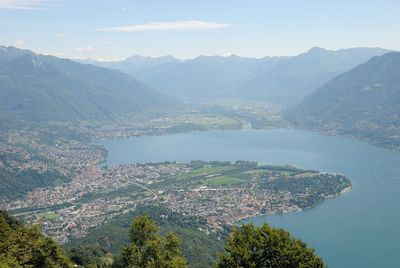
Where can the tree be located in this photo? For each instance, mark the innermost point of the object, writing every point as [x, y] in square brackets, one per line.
[27, 247]
[148, 249]
[267, 247]
[90, 256]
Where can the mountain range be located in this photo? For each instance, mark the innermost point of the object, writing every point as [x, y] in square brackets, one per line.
[281, 80]
[40, 88]
[36, 87]
[363, 102]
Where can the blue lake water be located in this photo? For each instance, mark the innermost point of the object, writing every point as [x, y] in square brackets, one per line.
[358, 229]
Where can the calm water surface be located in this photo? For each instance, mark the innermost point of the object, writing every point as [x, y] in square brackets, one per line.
[358, 229]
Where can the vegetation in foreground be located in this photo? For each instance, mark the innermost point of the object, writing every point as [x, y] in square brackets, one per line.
[148, 249]
[249, 246]
[22, 246]
[265, 246]
[114, 235]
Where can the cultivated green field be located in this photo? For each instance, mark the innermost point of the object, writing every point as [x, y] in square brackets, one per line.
[221, 180]
[48, 216]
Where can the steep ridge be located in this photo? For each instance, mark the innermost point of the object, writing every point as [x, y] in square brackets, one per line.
[362, 102]
[39, 88]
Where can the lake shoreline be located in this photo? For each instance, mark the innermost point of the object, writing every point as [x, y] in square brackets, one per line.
[249, 219]
[369, 167]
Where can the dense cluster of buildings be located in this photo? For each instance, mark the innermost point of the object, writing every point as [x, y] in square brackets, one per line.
[227, 205]
[97, 194]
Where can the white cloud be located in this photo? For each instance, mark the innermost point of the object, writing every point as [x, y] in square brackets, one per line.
[19, 43]
[168, 26]
[23, 4]
[61, 35]
[84, 49]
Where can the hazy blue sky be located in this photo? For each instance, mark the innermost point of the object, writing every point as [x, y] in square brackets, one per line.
[188, 28]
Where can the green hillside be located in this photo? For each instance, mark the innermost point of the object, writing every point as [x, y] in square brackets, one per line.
[22, 246]
[40, 88]
[18, 183]
[199, 248]
[362, 102]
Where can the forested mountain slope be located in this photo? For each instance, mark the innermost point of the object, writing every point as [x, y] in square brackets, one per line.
[364, 102]
[38, 88]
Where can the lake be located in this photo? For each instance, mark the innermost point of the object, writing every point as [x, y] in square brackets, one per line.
[358, 229]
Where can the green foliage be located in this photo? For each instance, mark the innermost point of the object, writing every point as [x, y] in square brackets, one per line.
[264, 246]
[249, 246]
[90, 256]
[27, 247]
[7, 262]
[196, 164]
[318, 185]
[115, 234]
[148, 249]
[142, 230]
[18, 183]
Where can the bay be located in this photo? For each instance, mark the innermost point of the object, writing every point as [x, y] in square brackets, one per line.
[360, 228]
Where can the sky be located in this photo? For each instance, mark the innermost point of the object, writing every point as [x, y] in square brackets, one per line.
[113, 30]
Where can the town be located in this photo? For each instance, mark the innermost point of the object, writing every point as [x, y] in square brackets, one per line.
[72, 191]
[220, 192]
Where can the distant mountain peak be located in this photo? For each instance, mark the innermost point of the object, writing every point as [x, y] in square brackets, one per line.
[168, 57]
[315, 50]
[233, 56]
[139, 57]
[10, 53]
